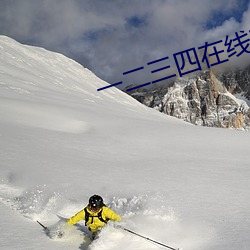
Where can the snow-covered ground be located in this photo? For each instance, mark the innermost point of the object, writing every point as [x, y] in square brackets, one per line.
[62, 141]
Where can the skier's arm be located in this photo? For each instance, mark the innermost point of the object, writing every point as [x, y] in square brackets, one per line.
[110, 214]
[77, 217]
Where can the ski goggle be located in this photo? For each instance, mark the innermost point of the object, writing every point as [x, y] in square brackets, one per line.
[94, 208]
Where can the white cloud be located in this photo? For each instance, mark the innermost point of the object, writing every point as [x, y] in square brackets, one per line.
[98, 34]
[246, 20]
[220, 32]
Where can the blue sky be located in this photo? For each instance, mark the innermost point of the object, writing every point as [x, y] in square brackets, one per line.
[113, 36]
[219, 16]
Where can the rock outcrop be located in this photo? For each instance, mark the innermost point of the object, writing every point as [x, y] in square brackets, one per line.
[200, 99]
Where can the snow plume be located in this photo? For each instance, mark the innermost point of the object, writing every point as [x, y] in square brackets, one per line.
[147, 215]
[36, 203]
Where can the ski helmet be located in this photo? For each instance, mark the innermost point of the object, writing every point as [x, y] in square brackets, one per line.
[95, 202]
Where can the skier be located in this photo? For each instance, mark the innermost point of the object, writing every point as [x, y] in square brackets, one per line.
[95, 214]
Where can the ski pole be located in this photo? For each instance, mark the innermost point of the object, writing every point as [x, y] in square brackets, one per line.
[146, 238]
[45, 228]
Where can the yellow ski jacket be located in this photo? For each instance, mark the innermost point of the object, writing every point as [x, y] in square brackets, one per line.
[94, 223]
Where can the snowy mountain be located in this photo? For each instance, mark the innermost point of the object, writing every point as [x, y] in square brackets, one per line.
[203, 99]
[62, 141]
[237, 81]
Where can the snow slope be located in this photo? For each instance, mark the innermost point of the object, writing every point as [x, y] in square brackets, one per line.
[62, 141]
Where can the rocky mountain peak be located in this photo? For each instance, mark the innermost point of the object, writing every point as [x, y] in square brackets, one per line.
[201, 99]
